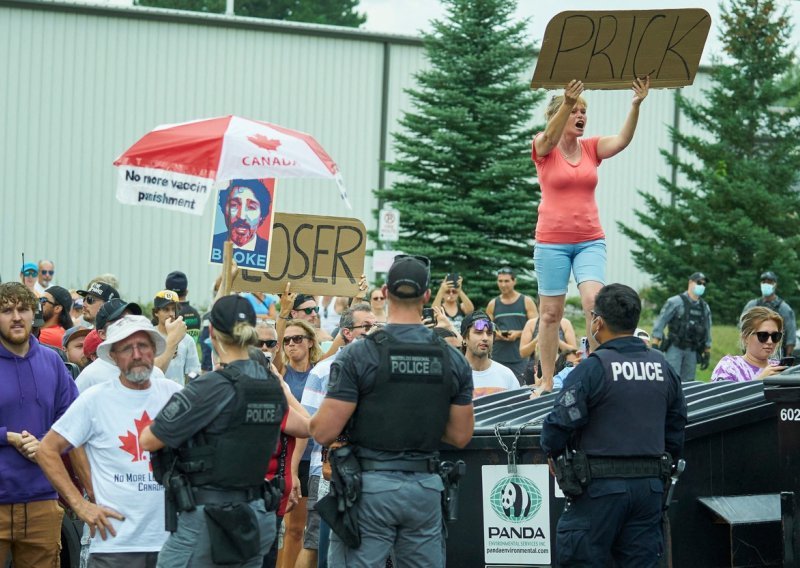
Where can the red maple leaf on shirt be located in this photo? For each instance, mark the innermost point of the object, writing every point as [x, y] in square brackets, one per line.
[130, 441]
[263, 142]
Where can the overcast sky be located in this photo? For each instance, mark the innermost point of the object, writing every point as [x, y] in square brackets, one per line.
[409, 16]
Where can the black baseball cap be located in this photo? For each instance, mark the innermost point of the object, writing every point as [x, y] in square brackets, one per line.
[301, 299]
[409, 276]
[230, 310]
[102, 290]
[112, 310]
[176, 281]
[467, 322]
[769, 275]
[696, 276]
[62, 297]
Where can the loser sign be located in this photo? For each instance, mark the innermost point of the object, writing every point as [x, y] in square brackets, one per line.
[318, 255]
[607, 50]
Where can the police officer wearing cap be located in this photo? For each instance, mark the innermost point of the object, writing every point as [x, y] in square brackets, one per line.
[689, 319]
[397, 395]
[771, 300]
[617, 414]
[220, 431]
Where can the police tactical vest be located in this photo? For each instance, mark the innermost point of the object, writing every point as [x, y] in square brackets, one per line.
[689, 331]
[629, 416]
[409, 406]
[238, 457]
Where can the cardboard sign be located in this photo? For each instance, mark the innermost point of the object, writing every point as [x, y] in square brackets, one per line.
[244, 217]
[606, 50]
[318, 255]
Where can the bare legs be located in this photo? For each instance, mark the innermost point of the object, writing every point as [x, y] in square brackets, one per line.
[589, 290]
[551, 310]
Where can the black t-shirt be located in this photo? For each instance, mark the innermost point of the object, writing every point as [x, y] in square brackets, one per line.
[191, 317]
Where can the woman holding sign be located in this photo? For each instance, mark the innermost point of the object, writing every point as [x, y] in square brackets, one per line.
[568, 232]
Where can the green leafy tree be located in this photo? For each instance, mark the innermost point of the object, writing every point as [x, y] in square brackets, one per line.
[465, 192]
[733, 212]
[331, 12]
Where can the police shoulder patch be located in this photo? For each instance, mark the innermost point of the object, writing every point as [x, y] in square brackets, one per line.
[333, 378]
[177, 407]
[568, 397]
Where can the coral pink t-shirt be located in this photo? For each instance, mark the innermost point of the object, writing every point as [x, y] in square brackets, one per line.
[568, 210]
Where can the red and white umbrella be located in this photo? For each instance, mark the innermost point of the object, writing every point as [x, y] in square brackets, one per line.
[175, 166]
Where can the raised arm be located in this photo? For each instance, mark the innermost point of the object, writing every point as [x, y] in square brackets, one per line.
[545, 143]
[609, 146]
[466, 304]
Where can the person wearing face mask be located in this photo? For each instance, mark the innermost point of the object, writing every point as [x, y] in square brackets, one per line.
[689, 320]
[622, 414]
[769, 299]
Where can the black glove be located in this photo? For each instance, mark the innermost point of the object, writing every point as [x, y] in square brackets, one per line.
[703, 359]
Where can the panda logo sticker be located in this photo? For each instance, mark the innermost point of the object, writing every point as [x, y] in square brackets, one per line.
[516, 499]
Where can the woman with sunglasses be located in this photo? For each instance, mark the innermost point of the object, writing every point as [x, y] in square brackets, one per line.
[267, 339]
[301, 351]
[453, 299]
[377, 302]
[762, 331]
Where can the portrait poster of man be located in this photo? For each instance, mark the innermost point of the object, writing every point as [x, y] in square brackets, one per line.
[244, 216]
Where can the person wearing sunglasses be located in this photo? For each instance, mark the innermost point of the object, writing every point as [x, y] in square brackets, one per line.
[623, 412]
[45, 279]
[488, 376]
[760, 340]
[688, 318]
[301, 351]
[377, 302]
[397, 395]
[56, 302]
[770, 299]
[267, 338]
[28, 275]
[97, 294]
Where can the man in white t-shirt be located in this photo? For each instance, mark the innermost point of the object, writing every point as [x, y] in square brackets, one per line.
[128, 507]
[99, 370]
[488, 376]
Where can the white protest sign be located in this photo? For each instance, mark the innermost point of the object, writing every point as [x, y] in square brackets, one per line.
[382, 259]
[516, 515]
[161, 188]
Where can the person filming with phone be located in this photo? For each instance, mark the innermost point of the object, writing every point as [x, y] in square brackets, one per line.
[452, 298]
[760, 339]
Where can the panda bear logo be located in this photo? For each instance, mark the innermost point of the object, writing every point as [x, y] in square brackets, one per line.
[516, 501]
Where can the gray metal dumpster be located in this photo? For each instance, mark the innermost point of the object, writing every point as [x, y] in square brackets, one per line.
[731, 451]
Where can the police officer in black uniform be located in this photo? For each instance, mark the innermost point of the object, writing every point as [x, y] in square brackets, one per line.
[220, 432]
[398, 394]
[615, 429]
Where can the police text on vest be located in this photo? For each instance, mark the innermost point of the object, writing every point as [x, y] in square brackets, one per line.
[637, 371]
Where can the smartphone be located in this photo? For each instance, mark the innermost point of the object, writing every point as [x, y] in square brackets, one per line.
[505, 333]
[786, 362]
[453, 278]
[427, 313]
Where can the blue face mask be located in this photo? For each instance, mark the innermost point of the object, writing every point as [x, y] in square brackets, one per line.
[767, 289]
[699, 289]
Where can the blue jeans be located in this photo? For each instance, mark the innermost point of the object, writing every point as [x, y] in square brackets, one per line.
[190, 545]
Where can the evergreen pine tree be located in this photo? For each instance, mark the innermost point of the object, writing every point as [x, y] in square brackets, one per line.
[465, 193]
[733, 212]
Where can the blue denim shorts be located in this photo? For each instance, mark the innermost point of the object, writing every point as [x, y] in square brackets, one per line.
[553, 263]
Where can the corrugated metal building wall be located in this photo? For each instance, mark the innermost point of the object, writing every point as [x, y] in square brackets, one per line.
[80, 84]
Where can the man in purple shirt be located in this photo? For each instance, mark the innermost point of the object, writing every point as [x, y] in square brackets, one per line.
[35, 390]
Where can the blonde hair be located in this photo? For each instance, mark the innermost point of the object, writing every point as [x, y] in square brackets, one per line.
[314, 352]
[752, 319]
[242, 336]
[555, 103]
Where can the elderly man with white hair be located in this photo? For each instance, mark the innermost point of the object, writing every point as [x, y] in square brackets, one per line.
[128, 507]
